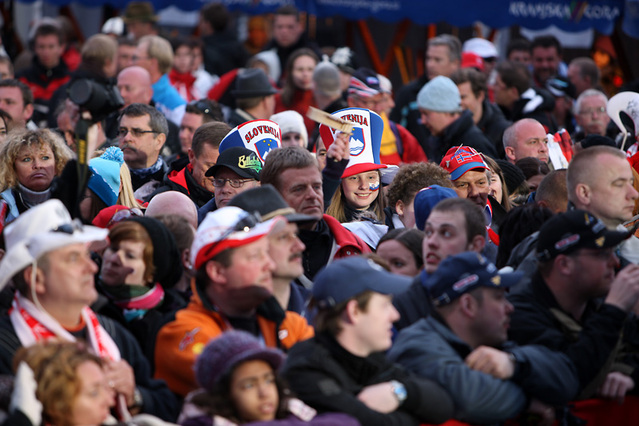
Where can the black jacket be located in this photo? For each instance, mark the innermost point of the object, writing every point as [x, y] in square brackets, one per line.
[537, 104]
[413, 304]
[223, 53]
[493, 124]
[328, 378]
[406, 113]
[158, 400]
[460, 132]
[589, 343]
[179, 178]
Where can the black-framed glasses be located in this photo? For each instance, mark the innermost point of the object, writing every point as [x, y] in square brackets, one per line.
[137, 133]
[70, 228]
[235, 183]
[204, 107]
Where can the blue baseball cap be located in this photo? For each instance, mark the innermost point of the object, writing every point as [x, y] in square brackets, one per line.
[465, 272]
[426, 199]
[346, 278]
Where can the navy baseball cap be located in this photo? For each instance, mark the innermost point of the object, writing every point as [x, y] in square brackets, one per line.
[346, 278]
[426, 199]
[572, 230]
[465, 272]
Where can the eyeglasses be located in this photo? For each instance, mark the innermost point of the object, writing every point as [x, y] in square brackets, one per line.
[137, 133]
[70, 228]
[124, 214]
[591, 111]
[204, 107]
[235, 183]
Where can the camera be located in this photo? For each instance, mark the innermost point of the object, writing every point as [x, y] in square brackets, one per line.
[97, 98]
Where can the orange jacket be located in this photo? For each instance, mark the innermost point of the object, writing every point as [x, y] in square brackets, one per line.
[180, 341]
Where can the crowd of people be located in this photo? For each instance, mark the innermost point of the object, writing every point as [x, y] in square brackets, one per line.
[183, 244]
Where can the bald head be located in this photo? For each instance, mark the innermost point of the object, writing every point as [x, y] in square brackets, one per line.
[525, 138]
[134, 84]
[173, 202]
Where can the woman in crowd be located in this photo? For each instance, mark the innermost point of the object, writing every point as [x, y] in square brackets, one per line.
[69, 383]
[139, 269]
[240, 385]
[29, 160]
[297, 93]
[109, 184]
[6, 125]
[402, 249]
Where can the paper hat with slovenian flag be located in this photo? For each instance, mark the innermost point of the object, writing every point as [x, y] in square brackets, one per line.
[364, 143]
[260, 136]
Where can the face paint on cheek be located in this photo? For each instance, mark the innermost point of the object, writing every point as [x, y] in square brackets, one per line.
[373, 186]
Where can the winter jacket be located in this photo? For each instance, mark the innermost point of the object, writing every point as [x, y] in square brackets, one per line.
[413, 304]
[158, 400]
[180, 341]
[168, 101]
[180, 179]
[328, 378]
[493, 124]
[460, 132]
[43, 83]
[590, 343]
[302, 99]
[430, 349]
[223, 53]
[407, 114]
[537, 104]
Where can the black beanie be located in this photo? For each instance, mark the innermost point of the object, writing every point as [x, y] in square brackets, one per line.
[512, 175]
[166, 257]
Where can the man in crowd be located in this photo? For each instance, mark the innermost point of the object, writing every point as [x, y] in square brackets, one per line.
[48, 71]
[155, 55]
[344, 368]
[222, 51]
[576, 300]
[255, 97]
[53, 301]
[16, 100]
[487, 116]
[584, 74]
[440, 106]
[285, 247]
[518, 99]
[600, 181]
[455, 225]
[294, 172]
[142, 132]
[232, 290]
[545, 53]
[443, 57]
[463, 347]
[468, 174]
[590, 114]
[526, 138]
[140, 19]
[191, 179]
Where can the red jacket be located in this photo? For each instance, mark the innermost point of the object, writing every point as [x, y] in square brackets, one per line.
[348, 244]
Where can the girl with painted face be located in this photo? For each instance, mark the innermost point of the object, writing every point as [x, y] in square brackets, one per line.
[358, 194]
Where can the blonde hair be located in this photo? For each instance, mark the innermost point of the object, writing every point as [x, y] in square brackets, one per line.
[159, 49]
[18, 139]
[337, 208]
[55, 368]
[126, 197]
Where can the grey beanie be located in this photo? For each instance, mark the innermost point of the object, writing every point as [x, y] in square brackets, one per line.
[440, 94]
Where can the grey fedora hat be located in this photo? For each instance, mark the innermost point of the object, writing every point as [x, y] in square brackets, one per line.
[252, 83]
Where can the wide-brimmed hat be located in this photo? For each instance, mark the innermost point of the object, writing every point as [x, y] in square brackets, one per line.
[139, 11]
[252, 83]
[39, 230]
